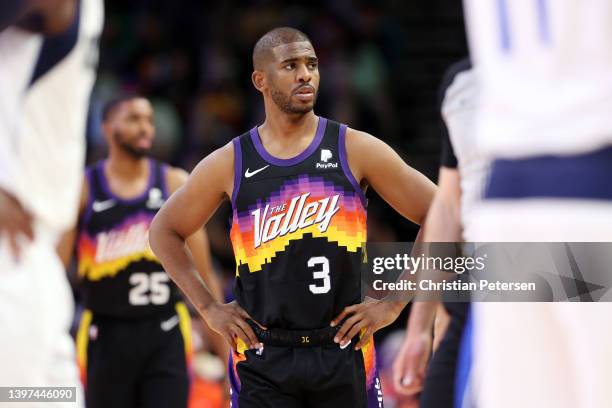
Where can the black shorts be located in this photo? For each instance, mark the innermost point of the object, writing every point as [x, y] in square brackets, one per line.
[135, 363]
[439, 388]
[317, 376]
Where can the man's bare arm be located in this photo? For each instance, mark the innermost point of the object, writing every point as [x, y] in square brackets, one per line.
[200, 252]
[410, 193]
[444, 219]
[187, 210]
[198, 242]
[376, 164]
[65, 247]
[443, 225]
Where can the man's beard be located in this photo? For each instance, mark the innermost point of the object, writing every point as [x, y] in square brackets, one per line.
[284, 103]
[135, 152]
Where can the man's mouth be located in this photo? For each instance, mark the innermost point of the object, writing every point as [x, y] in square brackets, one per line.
[144, 142]
[305, 93]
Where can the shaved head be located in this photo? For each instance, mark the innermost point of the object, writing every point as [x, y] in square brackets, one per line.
[262, 52]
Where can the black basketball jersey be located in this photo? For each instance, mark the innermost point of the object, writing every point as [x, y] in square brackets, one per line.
[298, 230]
[121, 277]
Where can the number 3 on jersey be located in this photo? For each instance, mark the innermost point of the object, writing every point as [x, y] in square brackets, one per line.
[322, 273]
[155, 283]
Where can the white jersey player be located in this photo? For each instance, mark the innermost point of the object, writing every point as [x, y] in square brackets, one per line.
[546, 72]
[46, 82]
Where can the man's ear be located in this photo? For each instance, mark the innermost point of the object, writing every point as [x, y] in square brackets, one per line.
[259, 80]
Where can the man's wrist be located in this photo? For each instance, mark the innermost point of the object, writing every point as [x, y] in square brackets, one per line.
[205, 307]
[397, 305]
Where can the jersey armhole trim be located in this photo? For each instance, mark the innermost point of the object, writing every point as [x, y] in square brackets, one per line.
[237, 169]
[89, 176]
[345, 166]
[163, 179]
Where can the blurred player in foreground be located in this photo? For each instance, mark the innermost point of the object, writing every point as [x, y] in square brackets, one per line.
[461, 180]
[544, 118]
[296, 184]
[134, 341]
[49, 59]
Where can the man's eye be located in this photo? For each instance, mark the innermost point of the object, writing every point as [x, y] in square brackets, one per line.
[312, 65]
[289, 67]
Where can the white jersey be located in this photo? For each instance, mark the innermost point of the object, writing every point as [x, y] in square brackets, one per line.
[459, 108]
[546, 69]
[46, 83]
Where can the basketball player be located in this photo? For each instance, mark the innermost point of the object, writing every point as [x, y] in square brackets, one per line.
[545, 120]
[134, 339]
[460, 183]
[48, 68]
[296, 184]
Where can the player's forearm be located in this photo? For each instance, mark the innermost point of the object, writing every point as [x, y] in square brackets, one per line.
[400, 300]
[423, 313]
[422, 317]
[65, 247]
[442, 226]
[200, 251]
[170, 249]
[443, 222]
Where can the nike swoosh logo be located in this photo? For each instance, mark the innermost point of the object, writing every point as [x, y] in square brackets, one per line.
[169, 324]
[99, 206]
[248, 173]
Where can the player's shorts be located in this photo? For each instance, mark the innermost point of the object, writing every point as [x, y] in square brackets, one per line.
[306, 376]
[545, 354]
[36, 310]
[439, 388]
[135, 363]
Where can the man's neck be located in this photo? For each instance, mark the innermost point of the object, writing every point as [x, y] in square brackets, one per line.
[126, 166]
[288, 128]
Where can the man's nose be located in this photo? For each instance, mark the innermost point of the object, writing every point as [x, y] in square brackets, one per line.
[146, 126]
[303, 74]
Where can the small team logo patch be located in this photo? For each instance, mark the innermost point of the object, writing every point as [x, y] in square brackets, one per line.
[326, 156]
[156, 199]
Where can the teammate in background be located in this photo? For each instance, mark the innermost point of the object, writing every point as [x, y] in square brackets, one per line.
[296, 184]
[134, 339]
[460, 181]
[49, 59]
[544, 118]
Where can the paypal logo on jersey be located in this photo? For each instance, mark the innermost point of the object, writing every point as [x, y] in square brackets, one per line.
[326, 155]
[155, 199]
[277, 221]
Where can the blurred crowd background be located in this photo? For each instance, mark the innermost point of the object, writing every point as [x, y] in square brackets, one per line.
[380, 61]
